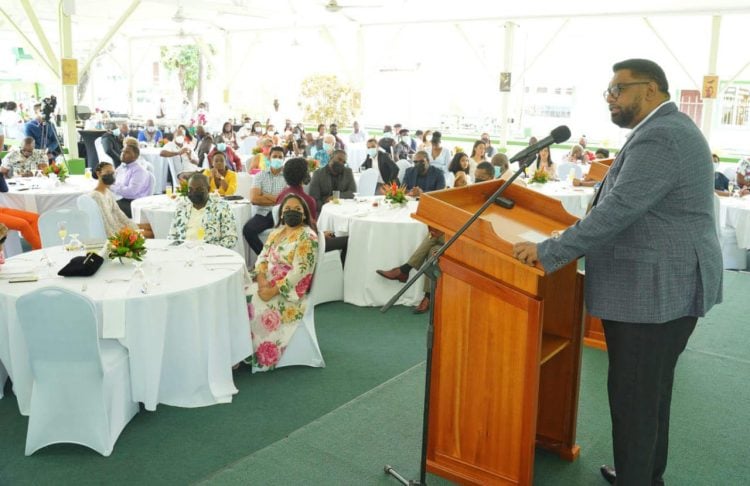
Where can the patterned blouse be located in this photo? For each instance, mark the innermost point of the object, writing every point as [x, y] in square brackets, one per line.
[743, 169]
[112, 216]
[20, 164]
[218, 222]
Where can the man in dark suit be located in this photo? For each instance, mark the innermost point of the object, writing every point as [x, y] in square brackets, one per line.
[386, 166]
[336, 176]
[423, 177]
[653, 262]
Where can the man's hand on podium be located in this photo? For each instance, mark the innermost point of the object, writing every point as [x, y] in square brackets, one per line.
[525, 252]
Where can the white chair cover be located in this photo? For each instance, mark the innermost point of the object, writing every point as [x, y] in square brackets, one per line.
[172, 170]
[3, 378]
[87, 204]
[328, 279]
[368, 182]
[152, 184]
[103, 157]
[247, 146]
[402, 166]
[12, 245]
[563, 168]
[77, 222]
[81, 391]
[450, 179]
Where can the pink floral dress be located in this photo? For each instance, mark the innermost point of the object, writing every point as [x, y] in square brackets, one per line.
[291, 262]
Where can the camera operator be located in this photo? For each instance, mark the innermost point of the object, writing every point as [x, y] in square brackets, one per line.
[41, 128]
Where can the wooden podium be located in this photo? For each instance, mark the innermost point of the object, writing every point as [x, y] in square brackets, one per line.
[507, 342]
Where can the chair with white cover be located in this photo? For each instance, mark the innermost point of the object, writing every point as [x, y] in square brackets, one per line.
[103, 157]
[368, 182]
[564, 168]
[328, 279]
[77, 223]
[450, 179]
[734, 257]
[402, 164]
[87, 204]
[152, 182]
[3, 378]
[81, 392]
[12, 246]
[173, 170]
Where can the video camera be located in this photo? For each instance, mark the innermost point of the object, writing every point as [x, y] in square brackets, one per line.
[48, 107]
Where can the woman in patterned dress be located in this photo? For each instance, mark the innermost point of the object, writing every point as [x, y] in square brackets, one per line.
[284, 274]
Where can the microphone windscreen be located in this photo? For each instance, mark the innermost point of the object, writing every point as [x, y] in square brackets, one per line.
[560, 134]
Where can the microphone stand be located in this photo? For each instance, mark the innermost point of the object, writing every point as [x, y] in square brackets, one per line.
[431, 270]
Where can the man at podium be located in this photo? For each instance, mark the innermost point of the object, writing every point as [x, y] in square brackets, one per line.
[653, 262]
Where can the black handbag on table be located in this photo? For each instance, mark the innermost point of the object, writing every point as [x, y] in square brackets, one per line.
[82, 266]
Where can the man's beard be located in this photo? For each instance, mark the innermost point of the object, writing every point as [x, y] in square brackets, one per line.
[625, 116]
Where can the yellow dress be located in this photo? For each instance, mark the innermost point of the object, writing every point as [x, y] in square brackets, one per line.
[230, 177]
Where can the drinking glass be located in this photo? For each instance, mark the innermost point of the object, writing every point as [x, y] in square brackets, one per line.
[169, 191]
[335, 197]
[62, 231]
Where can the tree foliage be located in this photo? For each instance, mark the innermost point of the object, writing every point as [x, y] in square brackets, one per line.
[186, 60]
[325, 99]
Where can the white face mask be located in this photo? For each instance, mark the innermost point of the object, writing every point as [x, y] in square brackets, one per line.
[258, 129]
[179, 140]
[151, 129]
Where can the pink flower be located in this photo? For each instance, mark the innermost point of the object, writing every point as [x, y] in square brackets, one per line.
[278, 272]
[303, 285]
[270, 319]
[250, 310]
[267, 354]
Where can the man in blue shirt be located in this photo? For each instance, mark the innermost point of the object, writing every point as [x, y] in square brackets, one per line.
[423, 177]
[34, 129]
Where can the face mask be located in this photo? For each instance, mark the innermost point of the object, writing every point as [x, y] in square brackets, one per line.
[372, 152]
[276, 163]
[334, 131]
[292, 218]
[151, 129]
[406, 140]
[179, 140]
[116, 132]
[198, 198]
[248, 125]
[327, 147]
[221, 147]
[338, 167]
[258, 129]
[497, 172]
[421, 167]
[108, 179]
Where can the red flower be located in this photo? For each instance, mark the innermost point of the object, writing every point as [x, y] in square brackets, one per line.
[303, 285]
[133, 237]
[267, 354]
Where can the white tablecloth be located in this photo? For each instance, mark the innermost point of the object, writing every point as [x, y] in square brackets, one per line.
[734, 213]
[575, 200]
[379, 238]
[160, 164]
[183, 336]
[40, 195]
[159, 211]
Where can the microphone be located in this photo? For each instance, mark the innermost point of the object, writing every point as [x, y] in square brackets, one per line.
[559, 134]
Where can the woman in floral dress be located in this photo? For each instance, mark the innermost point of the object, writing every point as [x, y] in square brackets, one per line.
[284, 274]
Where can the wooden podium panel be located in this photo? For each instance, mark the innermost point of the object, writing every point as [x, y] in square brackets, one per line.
[507, 341]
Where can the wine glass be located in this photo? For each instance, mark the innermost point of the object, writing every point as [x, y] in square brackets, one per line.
[62, 231]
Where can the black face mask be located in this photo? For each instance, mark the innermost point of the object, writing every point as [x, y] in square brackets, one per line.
[421, 167]
[337, 167]
[108, 179]
[334, 132]
[198, 198]
[292, 218]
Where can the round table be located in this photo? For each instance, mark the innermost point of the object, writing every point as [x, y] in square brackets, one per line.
[575, 200]
[181, 350]
[159, 211]
[734, 212]
[40, 194]
[380, 237]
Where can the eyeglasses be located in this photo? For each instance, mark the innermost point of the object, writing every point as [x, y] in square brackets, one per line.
[616, 90]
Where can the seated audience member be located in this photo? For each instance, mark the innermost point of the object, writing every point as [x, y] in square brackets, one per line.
[577, 155]
[261, 159]
[133, 181]
[284, 273]
[427, 248]
[246, 130]
[387, 168]
[500, 164]
[221, 179]
[402, 150]
[112, 216]
[423, 177]
[336, 176]
[601, 153]
[743, 173]
[200, 134]
[588, 154]
[206, 211]
[477, 155]
[484, 172]
[150, 135]
[266, 188]
[185, 162]
[490, 151]
[228, 136]
[333, 129]
[295, 172]
[140, 161]
[231, 159]
[324, 154]
[459, 167]
[439, 156]
[205, 146]
[544, 162]
[24, 222]
[23, 161]
[113, 140]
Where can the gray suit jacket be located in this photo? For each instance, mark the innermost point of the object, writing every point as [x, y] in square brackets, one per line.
[652, 253]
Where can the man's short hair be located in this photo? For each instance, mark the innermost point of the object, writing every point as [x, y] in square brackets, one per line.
[373, 140]
[603, 152]
[200, 178]
[134, 148]
[276, 148]
[487, 167]
[643, 68]
[29, 140]
[338, 151]
[424, 154]
[295, 171]
[500, 160]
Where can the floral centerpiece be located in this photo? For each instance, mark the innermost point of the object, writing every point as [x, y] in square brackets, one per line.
[540, 176]
[60, 170]
[127, 243]
[313, 165]
[395, 194]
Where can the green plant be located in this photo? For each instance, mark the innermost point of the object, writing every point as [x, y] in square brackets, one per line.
[186, 60]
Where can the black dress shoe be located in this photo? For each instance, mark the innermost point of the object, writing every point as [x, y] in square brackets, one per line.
[608, 473]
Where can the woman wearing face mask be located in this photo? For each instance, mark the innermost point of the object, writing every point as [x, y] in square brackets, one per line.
[112, 216]
[221, 179]
[233, 161]
[228, 136]
[284, 273]
[388, 170]
[204, 211]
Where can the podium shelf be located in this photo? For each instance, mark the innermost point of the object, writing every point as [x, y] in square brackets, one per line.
[551, 345]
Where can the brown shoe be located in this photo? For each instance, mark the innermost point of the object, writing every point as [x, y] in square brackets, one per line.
[393, 274]
[423, 306]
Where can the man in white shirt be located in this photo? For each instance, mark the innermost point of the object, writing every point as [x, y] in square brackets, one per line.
[357, 136]
[12, 121]
[185, 161]
[276, 118]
